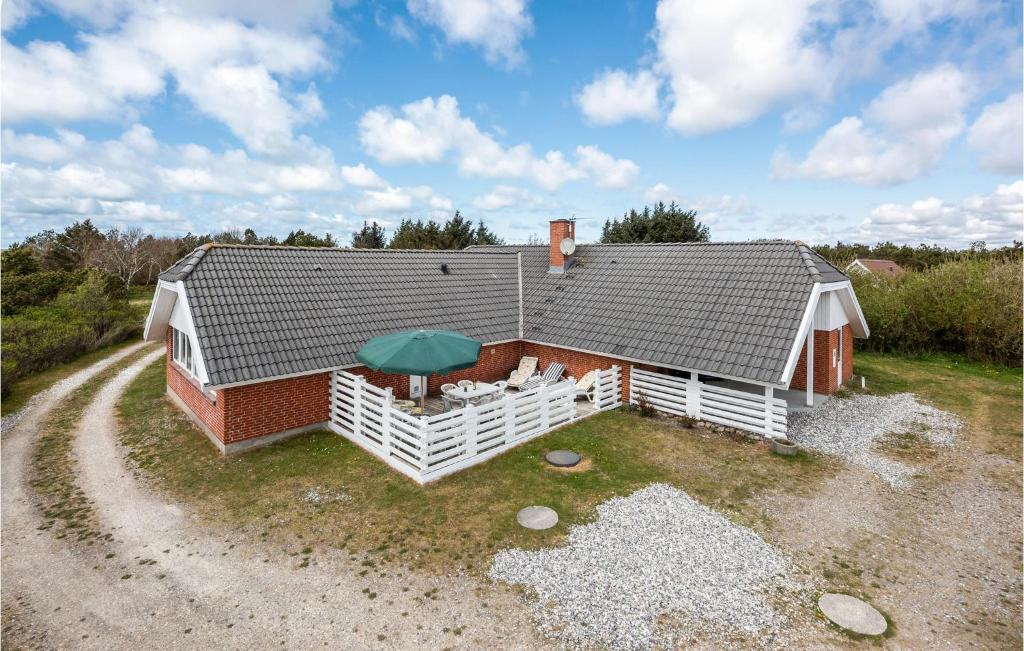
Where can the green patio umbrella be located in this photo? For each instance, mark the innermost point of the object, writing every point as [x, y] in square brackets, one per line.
[420, 352]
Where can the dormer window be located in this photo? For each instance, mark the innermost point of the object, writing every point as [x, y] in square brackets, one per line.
[181, 349]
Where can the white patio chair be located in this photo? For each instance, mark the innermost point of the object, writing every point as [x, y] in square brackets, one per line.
[585, 386]
[527, 367]
[467, 384]
[447, 387]
[553, 373]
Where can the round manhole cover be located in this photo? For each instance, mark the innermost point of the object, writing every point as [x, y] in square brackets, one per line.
[852, 614]
[537, 517]
[562, 458]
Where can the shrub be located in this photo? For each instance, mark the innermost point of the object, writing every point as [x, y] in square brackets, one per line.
[90, 315]
[644, 406]
[971, 307]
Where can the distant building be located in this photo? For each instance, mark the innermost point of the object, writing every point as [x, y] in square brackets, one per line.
[876, 267]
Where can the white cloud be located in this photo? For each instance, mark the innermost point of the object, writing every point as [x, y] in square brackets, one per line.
[997, 135]
[429, 129]
[229, 70]
[660, 192]
[616, 96]
[996, 218]
[728, 62]
[902, 134]
[396, 25]
[507, 196]
[401, 199]
[41, 148]
[800, 119]
[71, 180]
[361, 176]
[496, 26]
[14, 13]
[607, 172]
[914, 15]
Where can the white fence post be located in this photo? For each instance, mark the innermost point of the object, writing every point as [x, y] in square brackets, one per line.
[768, 393]
[385, 421]
[509, 414]
[471, 429]
[545, 418]
[597, 390]
[616, 375]
[693, 396]
[357, 404]
[632, 385]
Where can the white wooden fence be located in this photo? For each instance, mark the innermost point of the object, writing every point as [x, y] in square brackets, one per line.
[427, 448]
[608, 388]
[688, 397]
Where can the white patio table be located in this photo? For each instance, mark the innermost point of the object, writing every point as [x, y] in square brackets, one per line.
[465, 393]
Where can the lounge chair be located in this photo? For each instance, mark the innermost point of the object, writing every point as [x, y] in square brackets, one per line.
[585, 386]
[527, 367]
[553, 373]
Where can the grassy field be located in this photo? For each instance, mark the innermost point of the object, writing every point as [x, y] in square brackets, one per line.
[988, 398]
[457, 522]
[321, 491]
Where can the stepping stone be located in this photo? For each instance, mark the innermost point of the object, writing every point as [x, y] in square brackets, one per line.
[562, 458]
[537, 517]
[852, 614]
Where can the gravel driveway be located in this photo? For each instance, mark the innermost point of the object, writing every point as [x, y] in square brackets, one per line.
[164, 582]
[850, 427]
[656, 569]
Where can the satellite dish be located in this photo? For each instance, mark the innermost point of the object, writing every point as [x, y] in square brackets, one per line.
[567, 246]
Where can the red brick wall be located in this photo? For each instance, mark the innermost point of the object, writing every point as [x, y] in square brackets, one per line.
[847, 353]
[496, 362]
[576, 363]
[826, 376]
[209, 411]
[253, 410]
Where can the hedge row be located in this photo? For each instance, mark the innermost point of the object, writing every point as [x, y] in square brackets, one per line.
[969, 307]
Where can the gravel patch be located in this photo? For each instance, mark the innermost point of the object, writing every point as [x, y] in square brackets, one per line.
[320, 495]
[655, 568]
[849, 427]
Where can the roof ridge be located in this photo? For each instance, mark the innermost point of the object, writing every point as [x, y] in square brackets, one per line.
[350, 249]
[805, 255]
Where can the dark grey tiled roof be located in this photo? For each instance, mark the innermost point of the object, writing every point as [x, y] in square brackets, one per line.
[729, 309]
[261, 312]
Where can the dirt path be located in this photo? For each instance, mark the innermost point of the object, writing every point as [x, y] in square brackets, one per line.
[167, 582]
[942, 559]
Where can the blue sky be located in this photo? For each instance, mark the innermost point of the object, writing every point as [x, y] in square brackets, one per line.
[863, 121]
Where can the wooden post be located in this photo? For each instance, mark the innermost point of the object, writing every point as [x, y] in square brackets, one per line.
[357, 405]
[385, 421]
[810, 366]
[545, 418]
[471, 429]
[768, 393]
[693, 396]
[510, 418]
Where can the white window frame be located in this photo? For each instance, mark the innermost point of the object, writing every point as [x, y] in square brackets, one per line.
[182, 353]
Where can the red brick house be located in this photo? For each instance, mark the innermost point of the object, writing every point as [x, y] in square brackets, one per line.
[253, 333]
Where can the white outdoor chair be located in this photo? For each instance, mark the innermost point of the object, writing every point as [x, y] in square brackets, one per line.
[585, 386]
[450, 402]
[467, 384]
[527, 367]
[447, 387]
[553, 373]
[501, 386]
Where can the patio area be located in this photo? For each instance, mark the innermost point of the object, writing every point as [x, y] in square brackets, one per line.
[441, 441]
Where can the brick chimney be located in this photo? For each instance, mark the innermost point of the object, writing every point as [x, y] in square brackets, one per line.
[560, 229]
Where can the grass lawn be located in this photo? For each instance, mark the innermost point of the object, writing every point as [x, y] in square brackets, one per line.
[140, 293]
[459, 521]
[988, 398]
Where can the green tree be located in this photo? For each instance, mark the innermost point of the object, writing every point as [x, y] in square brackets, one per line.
[18, 260]
[663, 224]
[484, 236]
[371, 236]
[302, 238]
[417, 235]
[457, 233]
